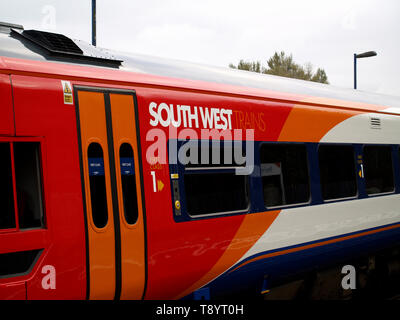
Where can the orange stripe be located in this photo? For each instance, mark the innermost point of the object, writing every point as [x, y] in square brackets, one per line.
[253, 226]
[309, 246]
[310, 124]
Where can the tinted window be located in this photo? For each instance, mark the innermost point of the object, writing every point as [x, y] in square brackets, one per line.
[7, 214]
[98, 196]
[284, 172]
[29, 185]
[212, 184]
[378, 169]
[215, 192]
[17, 263]
[337, 171]
[128, 182]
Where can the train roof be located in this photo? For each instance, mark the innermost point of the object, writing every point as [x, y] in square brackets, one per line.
[15, 42]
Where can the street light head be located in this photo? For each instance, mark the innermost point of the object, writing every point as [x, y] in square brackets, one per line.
[361, 55]
[366, 54]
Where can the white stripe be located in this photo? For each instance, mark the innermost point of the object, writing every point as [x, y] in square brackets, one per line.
[358, 129]
[300, 225]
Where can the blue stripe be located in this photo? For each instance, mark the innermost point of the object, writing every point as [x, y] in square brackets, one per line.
[397, 224]
[284, 267]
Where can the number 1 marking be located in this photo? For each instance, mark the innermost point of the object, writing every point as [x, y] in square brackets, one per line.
[153, 173]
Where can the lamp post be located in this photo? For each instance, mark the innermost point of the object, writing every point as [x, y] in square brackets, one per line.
[361, 55]
[94, 22]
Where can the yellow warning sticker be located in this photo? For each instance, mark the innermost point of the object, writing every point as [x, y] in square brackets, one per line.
[67, 92]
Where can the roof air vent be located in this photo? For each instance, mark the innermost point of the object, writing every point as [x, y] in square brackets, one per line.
[53, 42]
[62, 47]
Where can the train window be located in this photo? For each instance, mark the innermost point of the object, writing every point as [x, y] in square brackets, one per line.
[28, 184]
[7, 216]
[98, 195]
[17, 263]
[212, 185]
[215, 192]
[128, 182]
[337, 171]
[378, 169]
[284, 172]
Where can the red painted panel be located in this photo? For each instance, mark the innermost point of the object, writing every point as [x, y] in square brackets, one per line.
[180, 255]
[183, 255]
[27, 240]
[40, 112]
[13, 291]
[6, 106]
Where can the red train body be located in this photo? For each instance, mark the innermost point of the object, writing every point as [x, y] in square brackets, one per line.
[64, 108]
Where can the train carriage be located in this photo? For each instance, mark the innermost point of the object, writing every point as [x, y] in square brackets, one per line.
[110, 188]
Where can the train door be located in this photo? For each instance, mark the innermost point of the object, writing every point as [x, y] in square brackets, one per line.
[112, 193]
[8, 216]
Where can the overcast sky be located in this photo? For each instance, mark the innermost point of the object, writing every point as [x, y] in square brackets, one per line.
[219, 32]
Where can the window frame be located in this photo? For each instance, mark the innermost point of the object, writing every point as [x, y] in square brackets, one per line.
[254, 185]
[14, 190]
[91, 199]
[42, 156]
[181, 170]
[293, 205]
[125, 220]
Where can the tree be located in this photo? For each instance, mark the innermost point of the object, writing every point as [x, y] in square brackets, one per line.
[254, 66]
[282, 65]
[320, 76]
